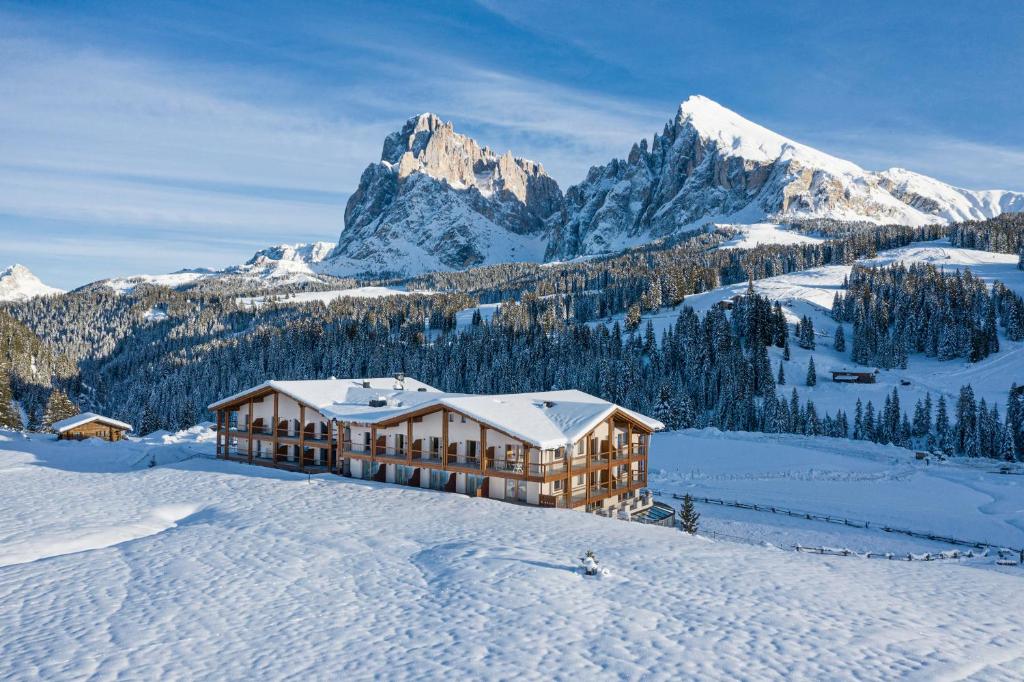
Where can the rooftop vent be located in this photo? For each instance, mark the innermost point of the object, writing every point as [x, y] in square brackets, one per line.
[422, 390]
[366, 384]
[378, 402]
[548, 403]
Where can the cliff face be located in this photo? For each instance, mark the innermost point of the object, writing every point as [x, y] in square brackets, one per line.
[439, 200]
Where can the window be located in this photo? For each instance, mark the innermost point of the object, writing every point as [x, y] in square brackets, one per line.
[581, 447]
[471, 448]
[556, 486]
[581, 479]
[400, 443]
[451, 417]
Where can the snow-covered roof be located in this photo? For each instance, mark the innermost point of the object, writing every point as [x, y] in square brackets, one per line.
[86, 417]
[548, 419]
[321, 393]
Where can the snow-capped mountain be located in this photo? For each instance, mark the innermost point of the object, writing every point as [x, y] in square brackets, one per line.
[438, 201]
[17, 283]
[274, 265]
[711, 164]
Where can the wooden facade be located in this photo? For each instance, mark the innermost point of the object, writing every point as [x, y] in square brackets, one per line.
[439, 447]
[93, 429]
[847, 377]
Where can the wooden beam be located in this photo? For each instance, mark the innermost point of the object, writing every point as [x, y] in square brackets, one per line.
[373, 442]
[611, 449]
[569, 453]
[408, 441]
[274, 432]
[250, 431]
[444, 438]
[302, 435]
[339, 449]
[483, 448]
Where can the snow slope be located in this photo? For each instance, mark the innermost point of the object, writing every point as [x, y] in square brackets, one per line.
[17, 283]
[810, 292]
[208, 569]
[756, 234]
[882, 484]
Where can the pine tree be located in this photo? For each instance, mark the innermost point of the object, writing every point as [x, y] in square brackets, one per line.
[782, 375]
[966, 432]
[840, 339]
[1015, 419]
[688, 516]
[58, 407]
[858, 421]
[785, 349]
[10, 418]
[812, 374]
[632, 317]
[150, 421]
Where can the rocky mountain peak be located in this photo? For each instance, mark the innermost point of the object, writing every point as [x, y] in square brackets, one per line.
[439, 197]
[17, 283]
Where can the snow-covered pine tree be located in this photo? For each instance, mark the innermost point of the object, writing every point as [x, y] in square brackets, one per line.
[1015, 419]
[782, 375]
[858, 421]
[58, 407]
[10, 418]
[689, 519]
[966, 430]
[632, 317]
[840, 339]
[812, 374]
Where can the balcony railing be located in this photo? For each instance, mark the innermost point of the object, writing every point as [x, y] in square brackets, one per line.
[506, 465]
[464, 461]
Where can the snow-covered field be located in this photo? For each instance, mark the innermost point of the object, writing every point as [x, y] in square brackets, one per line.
[860, 481]
[755, 234]
[198, 568]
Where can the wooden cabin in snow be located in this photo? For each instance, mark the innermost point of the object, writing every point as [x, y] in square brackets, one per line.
[90, 425]
[557, 448]
[845, 376]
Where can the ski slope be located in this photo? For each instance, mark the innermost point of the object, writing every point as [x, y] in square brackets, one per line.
[198, 568]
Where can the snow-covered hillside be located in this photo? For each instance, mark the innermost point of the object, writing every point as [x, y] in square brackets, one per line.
[276, 265]
[209, 569]
[810, 292]
[17, 283]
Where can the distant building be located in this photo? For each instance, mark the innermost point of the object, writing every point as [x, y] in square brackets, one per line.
[845, 376]
[90, 425]
[557, 448]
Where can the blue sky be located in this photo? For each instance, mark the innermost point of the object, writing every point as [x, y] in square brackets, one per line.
[148, 137]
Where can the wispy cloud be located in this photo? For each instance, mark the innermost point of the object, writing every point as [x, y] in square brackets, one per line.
[130, 146]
